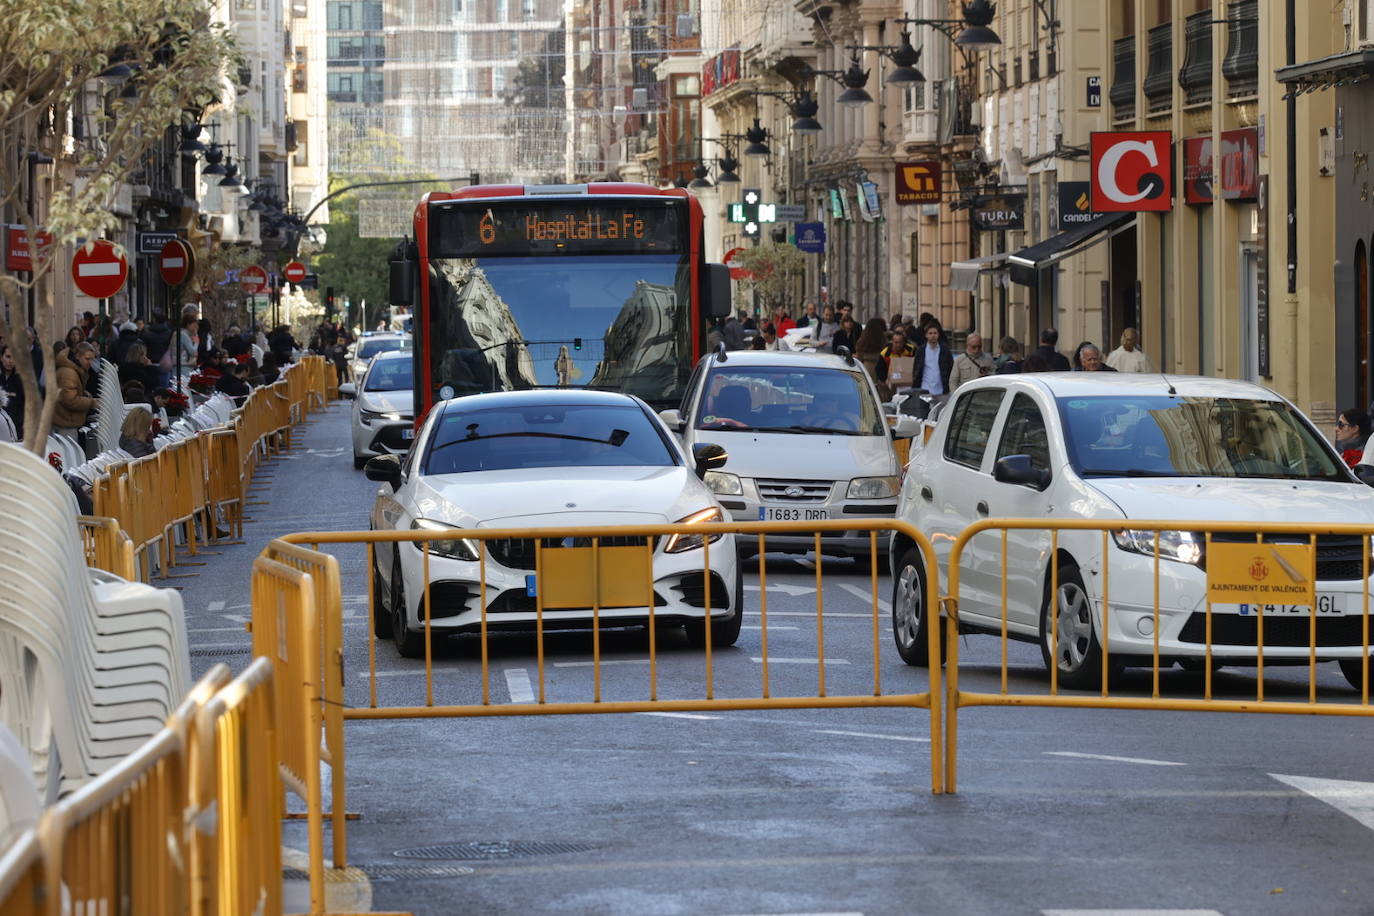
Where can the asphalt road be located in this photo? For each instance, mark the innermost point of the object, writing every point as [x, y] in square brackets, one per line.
[805, 811]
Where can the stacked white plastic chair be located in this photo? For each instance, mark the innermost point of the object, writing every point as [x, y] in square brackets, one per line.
[67, 449]
[19, 804]
[89, 668]
[109, 415]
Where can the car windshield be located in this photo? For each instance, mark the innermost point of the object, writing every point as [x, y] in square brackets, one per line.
[789, 399]
[1194, 437]
[390, 375]
[544, 436]
[369, 347]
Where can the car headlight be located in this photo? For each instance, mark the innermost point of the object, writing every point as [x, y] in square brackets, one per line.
[1183, 546]
[873, 487]
[680, 543]
[462, 549]
[723, 484]
[372, 416]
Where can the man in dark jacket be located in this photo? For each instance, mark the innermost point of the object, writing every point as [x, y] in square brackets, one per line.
[1046, 351]
[157, 337]
[933, 363]
[128, 336]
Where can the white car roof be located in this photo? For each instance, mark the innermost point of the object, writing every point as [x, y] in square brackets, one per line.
[801, 359]
[393, 354]
[1090, 384]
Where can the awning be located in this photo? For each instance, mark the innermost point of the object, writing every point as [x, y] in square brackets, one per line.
[963, 275]
[1326, 72]
[1028, 262]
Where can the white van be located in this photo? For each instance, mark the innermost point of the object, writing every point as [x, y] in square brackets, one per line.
[807, 441]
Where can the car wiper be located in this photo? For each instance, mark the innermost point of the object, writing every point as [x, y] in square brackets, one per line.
[617, 438]
[732, 428]
[799, 428]
[1131, 472]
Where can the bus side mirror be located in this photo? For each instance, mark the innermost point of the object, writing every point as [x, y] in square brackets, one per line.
[401, 289]
[717, 289]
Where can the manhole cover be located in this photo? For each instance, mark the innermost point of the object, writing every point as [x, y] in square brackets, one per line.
[495, 849]
[389, 872]
[215, 653]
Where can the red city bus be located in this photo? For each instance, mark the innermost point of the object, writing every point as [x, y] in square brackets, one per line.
[597, 285]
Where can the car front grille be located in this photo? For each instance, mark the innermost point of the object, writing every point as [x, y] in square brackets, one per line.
[776, 490]
[1339, 556]
[1279, 632]
[693, 592]
[518, 553]
[449, 598]
[390, 437]
[519, 601]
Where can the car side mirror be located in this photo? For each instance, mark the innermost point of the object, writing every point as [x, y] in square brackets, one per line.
[348, 390]
[708, 457]
[384, 468]
[905, 427]
[719, 303]
[1017, 469]
[672, 419]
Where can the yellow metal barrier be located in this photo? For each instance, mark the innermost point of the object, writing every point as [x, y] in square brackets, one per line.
[23, 878]
[107, 547]
[297, 622]
[236, 800]
[1092, 541]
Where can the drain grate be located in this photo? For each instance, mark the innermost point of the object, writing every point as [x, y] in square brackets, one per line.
[216, 653]
[389, 872]
[496, 849]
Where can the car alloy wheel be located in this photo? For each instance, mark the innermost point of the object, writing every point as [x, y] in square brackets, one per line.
[382, 623]
[910, 620]
[409, 643]
[1074, 648]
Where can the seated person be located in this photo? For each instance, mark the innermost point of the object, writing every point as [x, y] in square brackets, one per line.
[730, 407]
[832, 410]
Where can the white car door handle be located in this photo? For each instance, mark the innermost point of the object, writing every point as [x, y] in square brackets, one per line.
[927, 495]
[982, 507]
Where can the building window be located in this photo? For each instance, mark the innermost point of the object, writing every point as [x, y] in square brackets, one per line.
[372, 15]
[339, 17]
[302, 155]
[299, 81]
[687, 86]
[527, 9]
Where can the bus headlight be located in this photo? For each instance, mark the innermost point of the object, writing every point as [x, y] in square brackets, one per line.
[873, 487]
[723, 484]
[680, 543]
[461, 549]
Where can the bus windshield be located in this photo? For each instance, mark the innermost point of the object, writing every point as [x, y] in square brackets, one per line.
[620, 321]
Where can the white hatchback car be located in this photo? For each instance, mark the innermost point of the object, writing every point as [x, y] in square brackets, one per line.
[548, 459]
[807, 440]
[369, 345]
[1110, 446]
[383, 421]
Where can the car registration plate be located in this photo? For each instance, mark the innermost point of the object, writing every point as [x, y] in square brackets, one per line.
[408, 432]
[1333, 605]
[792, 514]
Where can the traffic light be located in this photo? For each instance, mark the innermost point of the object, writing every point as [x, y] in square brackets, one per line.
[749, 211]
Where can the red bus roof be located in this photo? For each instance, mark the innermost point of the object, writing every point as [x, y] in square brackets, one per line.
[561, 190]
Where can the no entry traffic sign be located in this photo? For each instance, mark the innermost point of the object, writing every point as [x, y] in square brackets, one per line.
[294, 272]
[99, 269]
[176, 263]
[253, 280]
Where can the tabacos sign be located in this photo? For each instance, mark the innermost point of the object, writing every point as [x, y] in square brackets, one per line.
[1132, 171]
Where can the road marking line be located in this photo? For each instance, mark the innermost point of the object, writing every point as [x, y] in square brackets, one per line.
[1130, 912]
[238, 617]
[518, 683]
[398, 673]
[215, 606]
[214, 630]
[1353, 798]
[677, 715]
[604, 661]
[800, 661]
[871, 735]
[866, 595]
[807, 913]
[812, 614]
[805, 563]
[770, 628]
[1145, 761]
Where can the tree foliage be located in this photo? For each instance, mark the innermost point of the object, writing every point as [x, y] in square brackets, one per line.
[770, 270]
[54, 107]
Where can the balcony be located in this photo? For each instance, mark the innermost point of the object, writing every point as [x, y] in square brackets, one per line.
[1240, 66]
[1159, 68]
[1122, 93]
[1195, 76]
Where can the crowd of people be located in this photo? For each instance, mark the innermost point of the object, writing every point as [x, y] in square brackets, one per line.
[935, 367]
[147, 355]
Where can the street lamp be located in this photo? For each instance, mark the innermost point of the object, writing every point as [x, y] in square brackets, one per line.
[903, 55]
[853, 80]
[970, 34]
[802, 107]
[756, 136]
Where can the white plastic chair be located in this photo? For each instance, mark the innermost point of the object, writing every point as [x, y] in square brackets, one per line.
[19, 802]
[110, 413]
[95, 668]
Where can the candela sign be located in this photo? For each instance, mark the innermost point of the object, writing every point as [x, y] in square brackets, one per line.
[1132, 171]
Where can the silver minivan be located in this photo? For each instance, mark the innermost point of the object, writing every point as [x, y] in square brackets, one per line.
[807, 439]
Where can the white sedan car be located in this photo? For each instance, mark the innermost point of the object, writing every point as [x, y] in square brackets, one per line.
[369, 345]
[546, 459]
[1091, 445]
[383, 420]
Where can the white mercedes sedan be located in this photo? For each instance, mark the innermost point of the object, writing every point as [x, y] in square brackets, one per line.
[550, 459]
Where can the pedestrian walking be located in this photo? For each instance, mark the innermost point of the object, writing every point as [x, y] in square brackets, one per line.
[934, 362]
[1352, 435]
[13, 388]
[1129, 357]
[1009, 359]
[1055, 360]
[1090, 358]
[971, 364]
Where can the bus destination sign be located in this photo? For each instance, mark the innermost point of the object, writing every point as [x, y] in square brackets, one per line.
[468, 228]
